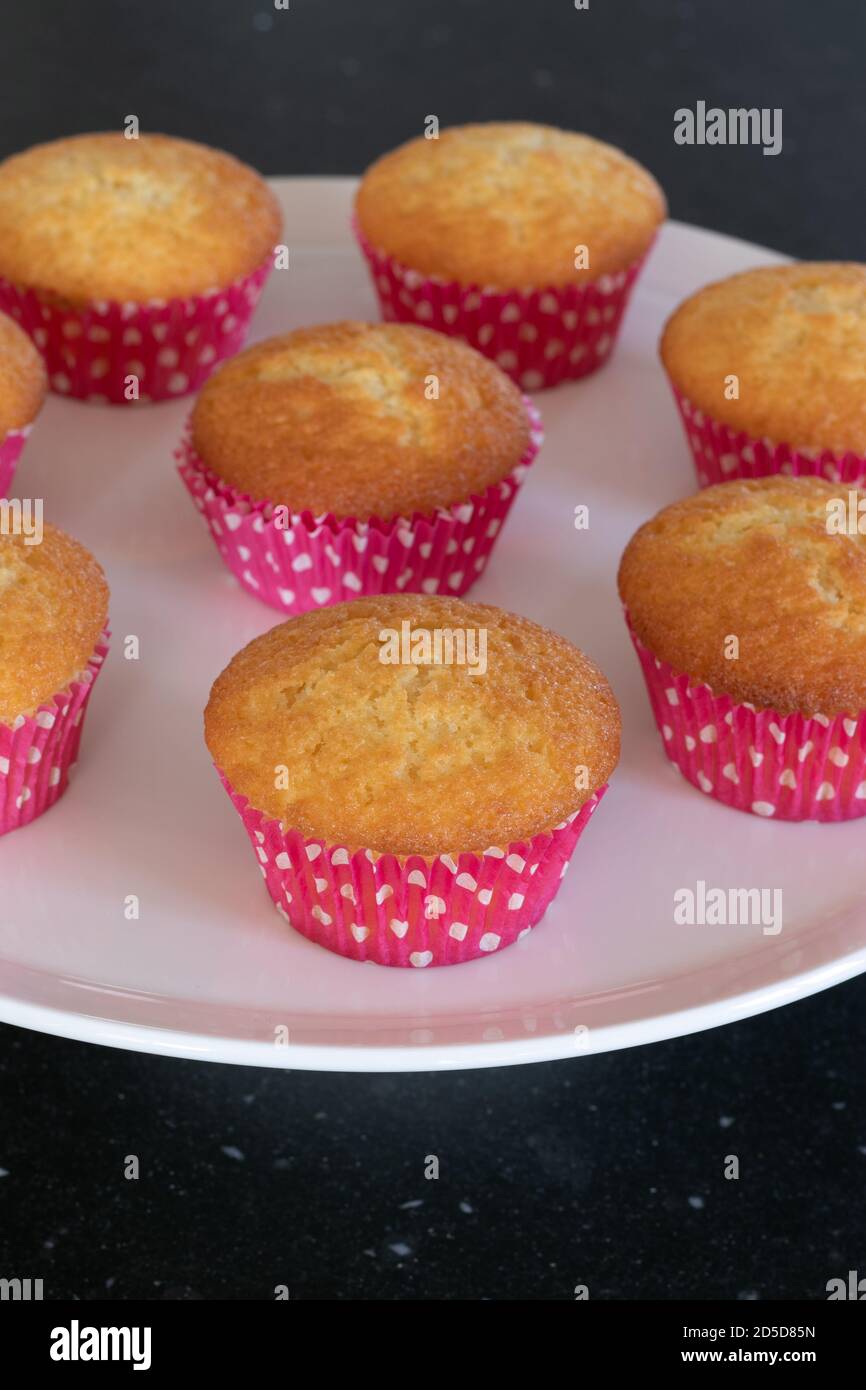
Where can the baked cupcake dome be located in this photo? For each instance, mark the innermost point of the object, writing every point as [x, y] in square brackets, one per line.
[22, 391]
[413, 759]
[335, 419]
[504, 204]
[753, 559]
[134, 265]
[53, 614]
[794, 336]
[409, 812]
[100, 217]
[53, 609]
[521, 239]
[746, 610]
[22, 378]
[352, 459]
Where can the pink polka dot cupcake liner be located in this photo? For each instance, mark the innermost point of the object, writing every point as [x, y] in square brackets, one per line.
[540, 338]
[169, 346]
[722, 455]
[10, 451]
[411, 911]
[312, 562]
[782, 766]
[38, 752]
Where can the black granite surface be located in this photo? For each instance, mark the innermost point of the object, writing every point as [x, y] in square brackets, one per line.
[605, 1171]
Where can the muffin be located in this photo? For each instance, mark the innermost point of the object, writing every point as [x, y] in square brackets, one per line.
[134, 264]
[524, 239]
[747, 606]
[22, 391]
[354, 458]
[53, 640]
[410, 802]
[768, 369]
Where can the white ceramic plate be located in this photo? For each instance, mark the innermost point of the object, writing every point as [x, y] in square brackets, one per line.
[210, 970]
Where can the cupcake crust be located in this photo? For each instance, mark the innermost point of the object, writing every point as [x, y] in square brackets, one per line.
[754, 560]
[412, 759]
[795, 336]
[53, 608]
[100, 217]
[337, 419]
[23, 380]
[505, 204]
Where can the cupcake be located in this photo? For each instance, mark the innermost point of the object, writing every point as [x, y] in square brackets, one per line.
[356, 458]
[523, 239]
[22, 391]
[768, 369]
[413, 772]
[746, 604]
[53, 640]
[134, 264]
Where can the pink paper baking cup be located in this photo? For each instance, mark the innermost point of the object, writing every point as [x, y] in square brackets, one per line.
[316, 561]
[10, 451]
[538, 337]
[722, 455]
[170, 346]
[410, 911]
[782, 766]
[38, 752]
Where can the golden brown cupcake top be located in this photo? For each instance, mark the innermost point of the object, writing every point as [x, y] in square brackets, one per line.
[22, 378]
[53, 607]
[505, 204]
[755, 560]
[341, 418]
[795, 337]
[413, 759]
[102, 217]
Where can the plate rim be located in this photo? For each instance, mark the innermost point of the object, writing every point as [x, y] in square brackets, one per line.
[434, 1056]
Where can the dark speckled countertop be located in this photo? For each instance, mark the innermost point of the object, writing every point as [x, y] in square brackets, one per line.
[605, 1171]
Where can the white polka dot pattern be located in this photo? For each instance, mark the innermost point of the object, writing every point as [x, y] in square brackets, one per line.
[10, 451]
[782, 767]
[721, 454]
[538, 337]
[38, 753]
[316, 561]
[411, 912]
[170, 346]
